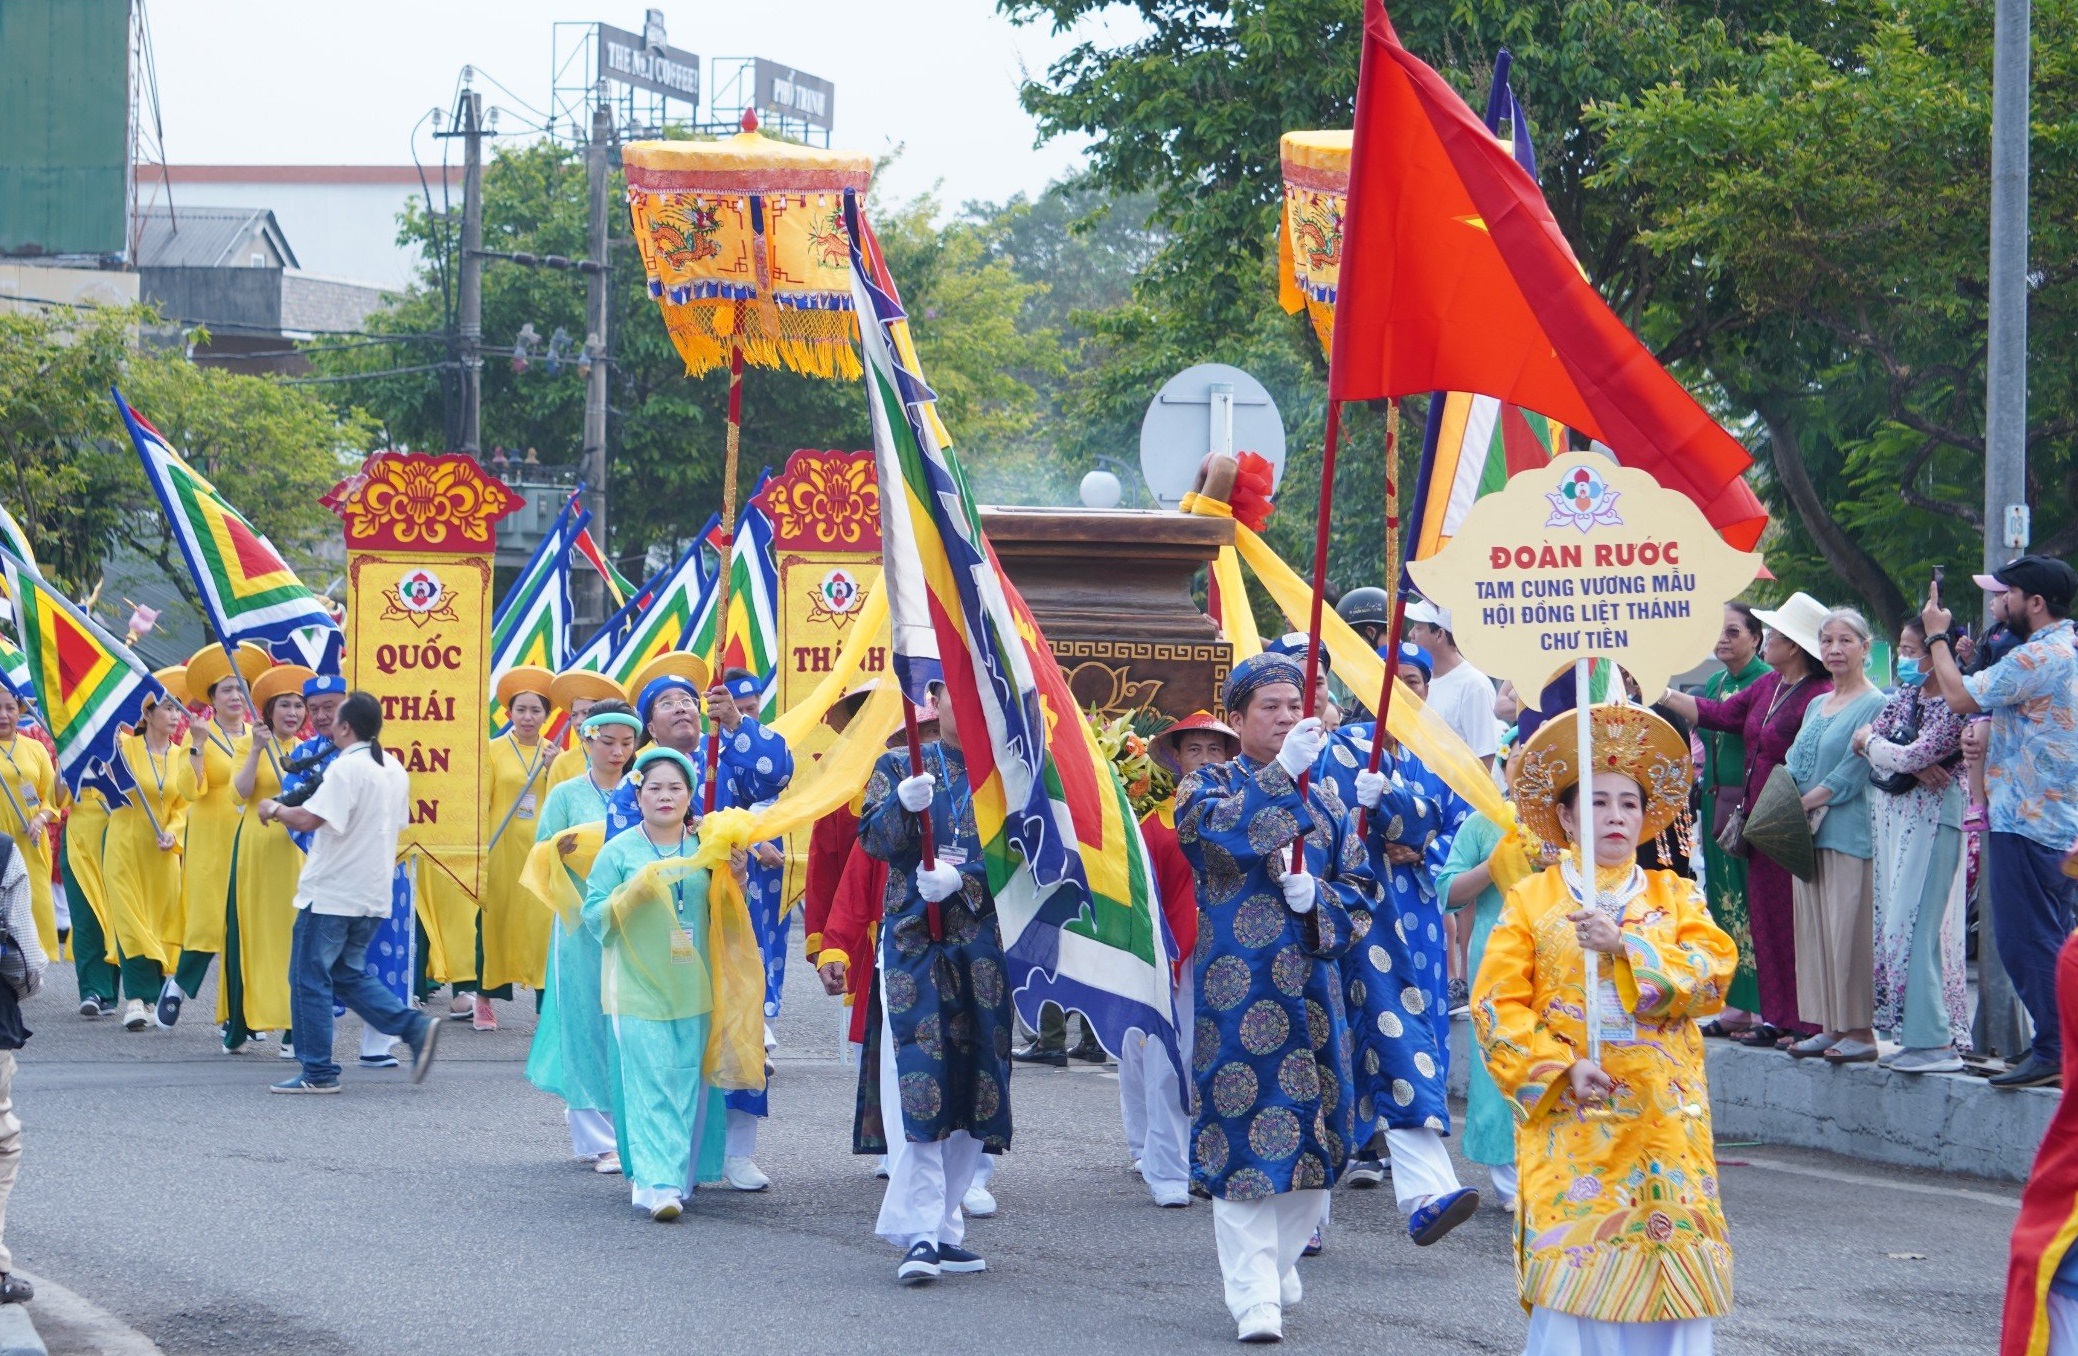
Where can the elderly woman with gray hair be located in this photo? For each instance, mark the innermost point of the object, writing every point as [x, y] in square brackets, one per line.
[1835, 910]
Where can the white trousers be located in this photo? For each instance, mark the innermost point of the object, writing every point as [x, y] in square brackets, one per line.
[1260, 1242]
[925, 1182]
[591, 1132]
[740, 1140]
[1422, 1168]
[375, 1044]
[1555, 1334]
[1151, 1106]
[1505, 1180]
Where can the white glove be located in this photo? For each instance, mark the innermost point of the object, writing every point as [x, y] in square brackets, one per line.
[941, 881]
[915, 792]
[1302, 746]
[1298, 891]
[1370, 788]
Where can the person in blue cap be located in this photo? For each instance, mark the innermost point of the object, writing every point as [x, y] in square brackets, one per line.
[764, 891]
[1395, 985]
[755, 766]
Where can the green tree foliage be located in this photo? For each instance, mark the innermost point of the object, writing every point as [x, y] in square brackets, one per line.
[1788, 201]
[72, 477]
[1834, 217]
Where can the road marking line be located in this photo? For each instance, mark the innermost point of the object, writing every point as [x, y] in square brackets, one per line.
[1856, 1179]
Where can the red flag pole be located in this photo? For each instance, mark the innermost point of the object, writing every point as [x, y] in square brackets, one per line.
[1392, 578]
[721, 615]
[1320, 585]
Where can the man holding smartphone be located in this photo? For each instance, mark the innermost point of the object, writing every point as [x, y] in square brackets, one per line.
[2032, 770]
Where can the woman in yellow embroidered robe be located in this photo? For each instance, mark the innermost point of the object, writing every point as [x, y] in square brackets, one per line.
[141, 862]
[1619, 1219]
[513, 927]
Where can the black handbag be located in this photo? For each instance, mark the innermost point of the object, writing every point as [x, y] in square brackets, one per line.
[1904, 783]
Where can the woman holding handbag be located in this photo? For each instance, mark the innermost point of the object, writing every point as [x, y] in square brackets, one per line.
[1768, 716]
[1914, 748]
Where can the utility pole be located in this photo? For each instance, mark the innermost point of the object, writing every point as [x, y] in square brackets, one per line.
[2005, 404]
[591, 601]
[469, 296]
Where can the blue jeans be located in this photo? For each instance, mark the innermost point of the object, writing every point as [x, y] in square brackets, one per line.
[2031, 910]
[328, 961]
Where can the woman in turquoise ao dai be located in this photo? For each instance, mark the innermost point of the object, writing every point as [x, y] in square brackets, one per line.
[572, 1054]
[655, 987]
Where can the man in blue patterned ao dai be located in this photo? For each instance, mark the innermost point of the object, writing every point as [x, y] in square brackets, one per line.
[1270, 1057]
[1395, 981]
[934, 1079]
[755, 765]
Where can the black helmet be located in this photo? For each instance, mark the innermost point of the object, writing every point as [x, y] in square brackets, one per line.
[1366, 606]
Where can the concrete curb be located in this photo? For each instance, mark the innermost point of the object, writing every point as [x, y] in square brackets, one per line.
[77, 1324]
[18, 1332]
[1935, 1122]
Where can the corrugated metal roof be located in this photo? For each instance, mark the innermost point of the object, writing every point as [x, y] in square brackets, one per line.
[205, 237]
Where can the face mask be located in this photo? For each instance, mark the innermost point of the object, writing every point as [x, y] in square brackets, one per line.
[1909, 674]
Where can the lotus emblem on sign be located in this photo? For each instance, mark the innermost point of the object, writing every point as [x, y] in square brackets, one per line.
[1583, 499]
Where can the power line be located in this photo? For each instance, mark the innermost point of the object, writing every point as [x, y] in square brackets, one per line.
[369, 376]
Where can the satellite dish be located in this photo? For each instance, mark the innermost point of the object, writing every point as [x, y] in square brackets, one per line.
[1208, 408]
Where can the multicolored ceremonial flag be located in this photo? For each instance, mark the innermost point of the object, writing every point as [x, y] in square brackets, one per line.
[248, 591]
[88, 684]
[14, 670]
[617, 585]
[1066, 863]
[532, 621]
[751, 640]
[676, 602]
[1444, 225]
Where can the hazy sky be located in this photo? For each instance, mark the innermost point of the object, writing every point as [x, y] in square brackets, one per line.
[295, 82]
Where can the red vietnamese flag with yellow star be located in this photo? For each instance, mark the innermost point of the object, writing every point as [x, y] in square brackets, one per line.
[1455, 277]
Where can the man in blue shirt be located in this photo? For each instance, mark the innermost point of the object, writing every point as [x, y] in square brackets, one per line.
[2031, 768]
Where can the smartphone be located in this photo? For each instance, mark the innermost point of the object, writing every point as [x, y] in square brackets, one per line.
[1940, 580]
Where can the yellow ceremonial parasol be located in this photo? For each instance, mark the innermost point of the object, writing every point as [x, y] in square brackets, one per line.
[1309, 234]
[747, 252]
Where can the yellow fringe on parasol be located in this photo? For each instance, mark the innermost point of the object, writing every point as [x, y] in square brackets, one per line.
[1309, 236]
[744, 242]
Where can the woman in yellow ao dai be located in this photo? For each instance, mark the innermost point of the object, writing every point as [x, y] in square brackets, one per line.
[1621, 1244]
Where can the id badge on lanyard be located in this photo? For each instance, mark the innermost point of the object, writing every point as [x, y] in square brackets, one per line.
[525, 808]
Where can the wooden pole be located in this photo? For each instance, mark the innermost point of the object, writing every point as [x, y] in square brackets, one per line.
[1392, 581]
[1320, 585]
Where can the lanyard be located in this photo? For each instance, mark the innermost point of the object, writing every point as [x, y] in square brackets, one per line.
[959, 805]
[658, 854]
[533, 769]
[158, 774]
[605, 800]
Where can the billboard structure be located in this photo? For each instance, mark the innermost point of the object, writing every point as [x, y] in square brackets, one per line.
[791, 103]
[650, 83]
[65, 102]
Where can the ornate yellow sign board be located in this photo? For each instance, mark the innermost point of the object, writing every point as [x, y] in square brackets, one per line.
[1585, 559]
[825, 514]
[421, 533]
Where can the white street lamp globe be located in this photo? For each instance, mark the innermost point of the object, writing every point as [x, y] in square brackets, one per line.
[1101, 490]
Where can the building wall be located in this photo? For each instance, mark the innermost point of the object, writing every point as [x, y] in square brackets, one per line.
[25, 285]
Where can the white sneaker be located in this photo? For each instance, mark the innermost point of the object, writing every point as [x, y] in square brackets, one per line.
[1263, 1323]
[743, 1174]
[608, 1163]
[1290, 1290]
[287, 1051]
[666, 1210]
[880, 1168]
[1172, 1198]
[134, 1017]
[978, 1203]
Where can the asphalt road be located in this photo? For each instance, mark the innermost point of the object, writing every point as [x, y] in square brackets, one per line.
[162, 1183]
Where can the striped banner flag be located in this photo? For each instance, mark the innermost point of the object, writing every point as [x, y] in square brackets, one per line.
[752, 639]
[1066, 863]
[88, 684]
[14, 670]
[248, 591]
[675, 607]
[617, 584]
[532, 622]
